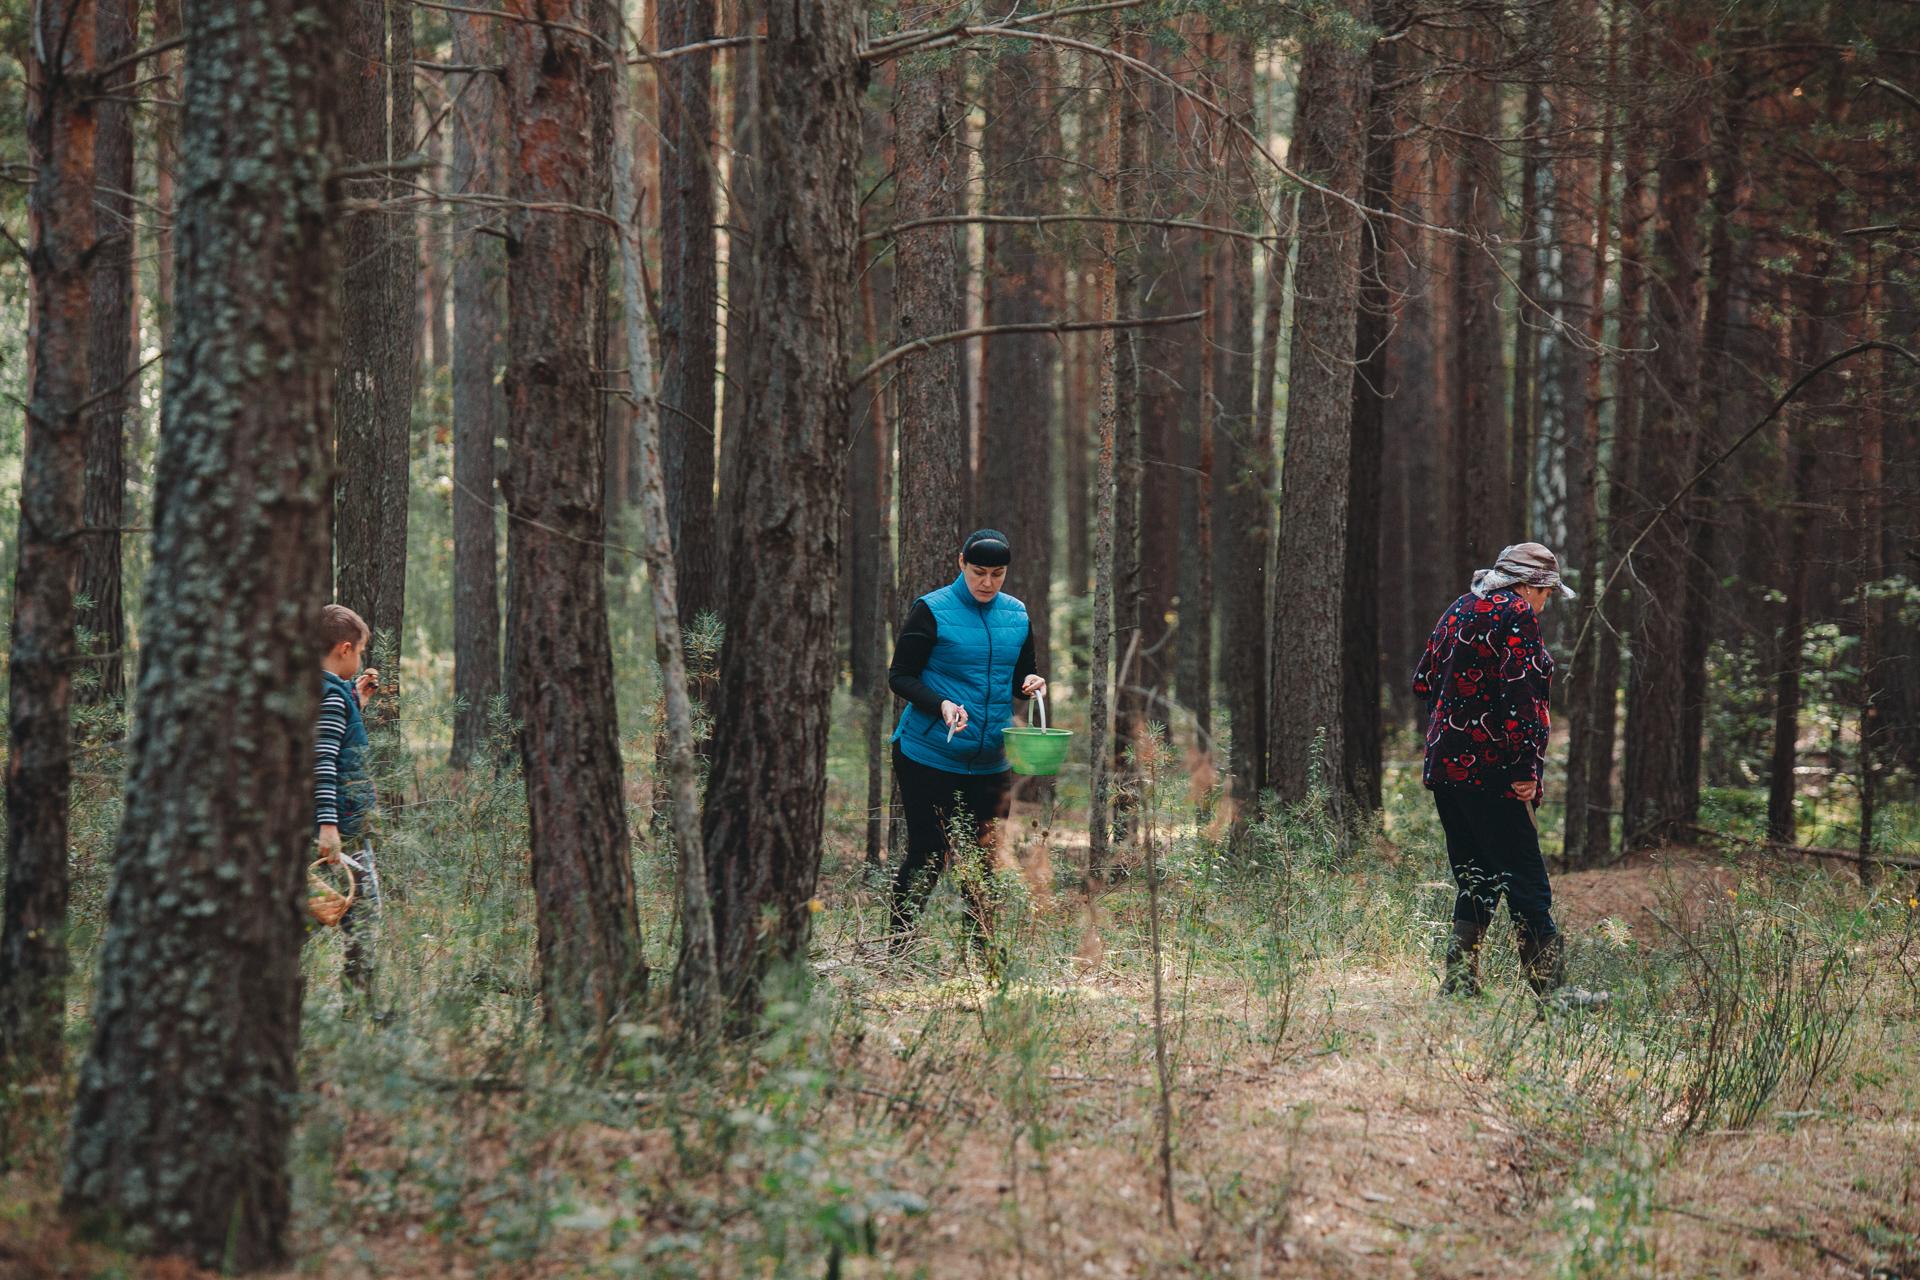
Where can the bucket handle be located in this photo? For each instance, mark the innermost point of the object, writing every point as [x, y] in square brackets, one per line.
[1039, 704]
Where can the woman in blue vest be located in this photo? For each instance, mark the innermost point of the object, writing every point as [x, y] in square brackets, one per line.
[963, 659]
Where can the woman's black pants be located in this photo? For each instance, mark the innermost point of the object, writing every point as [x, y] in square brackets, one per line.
[1494, 848]
[936, 802]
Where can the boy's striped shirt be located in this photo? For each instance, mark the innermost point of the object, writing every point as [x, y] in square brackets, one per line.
[329, 737]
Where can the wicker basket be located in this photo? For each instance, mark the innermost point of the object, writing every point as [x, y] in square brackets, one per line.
[325, 903]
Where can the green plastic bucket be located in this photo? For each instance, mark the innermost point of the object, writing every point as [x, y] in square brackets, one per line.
[1036, 750]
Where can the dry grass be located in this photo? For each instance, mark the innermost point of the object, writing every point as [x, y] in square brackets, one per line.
[913, 1118]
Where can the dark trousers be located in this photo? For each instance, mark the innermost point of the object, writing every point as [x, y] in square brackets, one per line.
[1494, 848]
[935, 802]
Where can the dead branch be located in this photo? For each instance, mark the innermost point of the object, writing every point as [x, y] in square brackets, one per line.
[1056, 327]
[1037, 221]
[1786, 396]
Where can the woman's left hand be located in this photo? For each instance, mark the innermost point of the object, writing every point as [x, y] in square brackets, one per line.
[1032, 686]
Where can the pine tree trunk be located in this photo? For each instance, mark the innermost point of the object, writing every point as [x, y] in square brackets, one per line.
[1659, 798]
[1519, 515]
[1610, 612]
[696, 978]
[1019, 146]
[187, 1102]
[1408, 440]
[1364, 734]
[934, 471]
[1240, 489]
[1114, 146]
[1199, 617]
[873, 505]
[1872, 563]
[688, 317]
[374, 395]
[1782, 788]
[1481, 444]
[1081, 354]
[436, 339]
[1726, 396]
[166, 160]
[740, 311]
[782, 485]
[1129, 468]
[1248, 639]
[113, 323]
[479, 270]
[1581, 227]
[1440, 564]
[591, 967]
[61, 129]
[1331, 145]
[1801, 459]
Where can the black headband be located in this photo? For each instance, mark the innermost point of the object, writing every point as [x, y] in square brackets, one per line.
[988, 548]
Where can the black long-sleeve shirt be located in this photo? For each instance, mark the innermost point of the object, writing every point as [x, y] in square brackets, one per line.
[915, 645]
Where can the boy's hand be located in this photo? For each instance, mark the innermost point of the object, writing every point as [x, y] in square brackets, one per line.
[1032, 686]
[329, 843]
[367, 684]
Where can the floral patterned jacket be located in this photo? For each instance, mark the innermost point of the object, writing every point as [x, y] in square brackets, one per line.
[1487, 675]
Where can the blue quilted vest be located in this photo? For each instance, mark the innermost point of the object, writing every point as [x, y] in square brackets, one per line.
[972, 663]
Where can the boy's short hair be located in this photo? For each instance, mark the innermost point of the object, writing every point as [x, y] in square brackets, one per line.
[339, 624]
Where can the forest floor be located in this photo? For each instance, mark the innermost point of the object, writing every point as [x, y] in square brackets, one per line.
[1748, 1104]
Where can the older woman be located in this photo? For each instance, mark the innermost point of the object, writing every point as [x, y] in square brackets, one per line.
[1487, 675]
[962, 660]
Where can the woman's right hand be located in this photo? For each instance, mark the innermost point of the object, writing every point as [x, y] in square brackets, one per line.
[954, 715]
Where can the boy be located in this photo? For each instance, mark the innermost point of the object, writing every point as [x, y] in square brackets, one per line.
[343, 796]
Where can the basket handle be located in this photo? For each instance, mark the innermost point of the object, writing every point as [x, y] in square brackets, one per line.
[1039, 705]
[352, 894]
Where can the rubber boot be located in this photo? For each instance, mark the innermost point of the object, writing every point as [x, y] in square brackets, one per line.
[1462, 977]
[1544, 963]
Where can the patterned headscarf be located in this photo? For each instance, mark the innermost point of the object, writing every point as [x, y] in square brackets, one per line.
[1522, 564]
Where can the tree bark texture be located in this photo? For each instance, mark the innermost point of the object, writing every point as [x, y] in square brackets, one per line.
[1249, 673]
[1593, 751]
[1801, 458]
[1659, 799]
[591, 967]
[1480, 456]
[187, 1100]
[1331, 145]
[1019, 146]
[1580, 211]
[101, 616]
[1727, 396]
[1129, 467]
[1114, 145]
[479, 124]
[375, 391]
[783, 483]
[1239, 486]
[1520, 510]
[934, 471]
[696, 979]
[61, 130]
[1364, 731]
[689, 277]
[166, 161]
